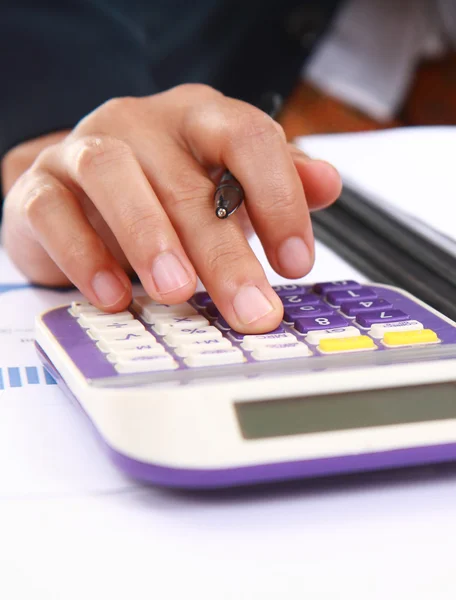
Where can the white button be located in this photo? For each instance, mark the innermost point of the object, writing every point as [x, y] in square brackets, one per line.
[254, 341]
[378, 330]
[77, 307]
[147, 339]
[215, 357]
[146, 363]
[314, 337]
[274, 351]
[143, 337]
[163, 325]
[115, 329]
[123, 355]
[89, 319]
[151, 310]
[176, 337]
[201, 346]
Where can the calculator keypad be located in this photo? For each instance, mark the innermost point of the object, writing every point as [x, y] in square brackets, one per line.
[329, 318]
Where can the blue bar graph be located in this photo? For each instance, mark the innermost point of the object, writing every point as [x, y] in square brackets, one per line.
[13, 377]
[32, 374]
[49, 379]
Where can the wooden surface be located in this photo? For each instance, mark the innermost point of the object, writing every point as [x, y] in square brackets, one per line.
[431, 101]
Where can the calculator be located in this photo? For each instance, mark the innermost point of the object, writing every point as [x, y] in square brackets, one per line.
[355, 378]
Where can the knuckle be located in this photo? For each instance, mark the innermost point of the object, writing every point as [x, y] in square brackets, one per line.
[196, 91]
[141, 229]
[42, 199]
[186, 191]
[97, 153]
[119, 106]
[246, 128]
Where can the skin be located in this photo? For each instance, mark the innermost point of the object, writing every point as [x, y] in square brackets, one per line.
[131, 188]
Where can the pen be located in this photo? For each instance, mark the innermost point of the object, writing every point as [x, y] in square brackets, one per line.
[229, 194]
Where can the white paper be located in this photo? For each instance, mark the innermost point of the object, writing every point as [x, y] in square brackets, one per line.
[410, 169]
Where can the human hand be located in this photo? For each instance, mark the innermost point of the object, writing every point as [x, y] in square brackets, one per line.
[131, 187]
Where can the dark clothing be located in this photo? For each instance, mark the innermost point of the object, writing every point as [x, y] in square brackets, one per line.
[61, 59]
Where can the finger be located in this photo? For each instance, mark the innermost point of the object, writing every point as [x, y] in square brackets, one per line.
[107, 171]
[248, 143]
[59, 225]
[218, 249]
[321, 181]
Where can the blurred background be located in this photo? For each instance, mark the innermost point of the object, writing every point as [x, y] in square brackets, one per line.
[382, 64]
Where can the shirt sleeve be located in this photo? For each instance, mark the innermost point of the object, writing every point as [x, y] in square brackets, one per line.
[59, 61]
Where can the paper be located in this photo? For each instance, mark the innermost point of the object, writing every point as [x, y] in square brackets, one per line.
[410, 169]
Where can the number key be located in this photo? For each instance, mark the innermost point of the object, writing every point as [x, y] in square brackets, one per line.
[352, 309]
[307, 324]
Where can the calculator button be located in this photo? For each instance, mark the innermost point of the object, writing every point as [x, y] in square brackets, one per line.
[287, 350]
[378, 330]
[406, 338]
[125, 336]
[292, 288]
[239, 337]
[307, 324]
[201, 346]
[112, 330]
[89, 319]
[361, 342]
[202, 299]
[215, 357]
[335, 286]
[77, 307]
[141, 341]
[146, 363]
[149, 310]
[314, 337]
[123, 355]
[163, 325]
[299, 299]
[295, 312]
[352, 309]
[176, 337]
[212, 311]
[253, 341]
[362, 293]
[382, 316]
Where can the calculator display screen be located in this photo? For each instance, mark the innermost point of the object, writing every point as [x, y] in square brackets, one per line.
[345, 411]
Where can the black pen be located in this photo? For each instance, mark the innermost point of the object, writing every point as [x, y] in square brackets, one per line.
[229, 194]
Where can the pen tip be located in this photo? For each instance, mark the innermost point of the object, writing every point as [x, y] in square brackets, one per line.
[221, 212]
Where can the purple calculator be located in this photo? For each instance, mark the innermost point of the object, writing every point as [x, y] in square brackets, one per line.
[356, 378]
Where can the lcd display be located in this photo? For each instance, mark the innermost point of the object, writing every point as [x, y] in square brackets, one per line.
[345, 411]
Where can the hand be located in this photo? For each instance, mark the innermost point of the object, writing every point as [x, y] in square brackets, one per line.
[131, 188]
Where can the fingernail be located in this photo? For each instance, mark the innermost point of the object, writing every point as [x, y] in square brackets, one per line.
[108, 288]
[250, 304]
[293, 257]
[169, 273]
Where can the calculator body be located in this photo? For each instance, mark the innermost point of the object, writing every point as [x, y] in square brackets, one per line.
[257, 408]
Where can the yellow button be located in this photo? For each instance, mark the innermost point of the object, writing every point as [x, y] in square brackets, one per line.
[361, 342]
[405, 338]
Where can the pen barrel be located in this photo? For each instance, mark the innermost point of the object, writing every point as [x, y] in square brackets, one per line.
[229, 194]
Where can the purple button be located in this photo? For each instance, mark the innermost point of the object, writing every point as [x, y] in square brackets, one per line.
[351, 309]
[238, 337]
[221, 323]
[212, 311]
[307, 324]
[381, 316]
[292, 288]
[202, 299]
[306, 310]
[363, 293]
[300, 299]
[335, 286]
